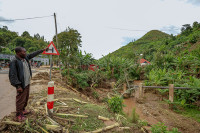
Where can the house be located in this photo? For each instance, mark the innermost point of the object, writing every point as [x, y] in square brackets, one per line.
[144, 62]
[93, 67]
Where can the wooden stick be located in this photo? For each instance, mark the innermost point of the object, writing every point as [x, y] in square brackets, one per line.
[66, 99]
[52, 121]
[12, 123]
[46, 110]
[79, 101]
[104, 129]
[43, 129]
[103, 118]
[53, 127]
[73, 115]
[63, 103]
[124, 128]
[61, 106]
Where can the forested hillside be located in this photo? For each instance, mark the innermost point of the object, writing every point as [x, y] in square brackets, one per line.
[9, 40]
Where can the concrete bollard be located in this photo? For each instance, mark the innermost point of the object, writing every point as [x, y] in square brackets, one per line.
[50, 96]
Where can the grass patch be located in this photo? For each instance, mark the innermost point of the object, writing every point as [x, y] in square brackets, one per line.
[92, 122]
[192, 112]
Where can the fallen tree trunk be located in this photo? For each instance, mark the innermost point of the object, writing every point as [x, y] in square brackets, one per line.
[12, 123]
[124, 128]
[55, 128]
[73, 115]
[103, 118]
[76, 100]
[105, 128]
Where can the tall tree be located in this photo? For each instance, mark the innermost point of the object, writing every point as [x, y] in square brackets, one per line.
[69, 43]
[186, 29]
[26, 34]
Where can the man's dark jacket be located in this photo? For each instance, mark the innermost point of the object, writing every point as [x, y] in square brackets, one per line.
[16, 72]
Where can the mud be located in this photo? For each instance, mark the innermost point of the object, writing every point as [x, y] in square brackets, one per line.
[153, 111]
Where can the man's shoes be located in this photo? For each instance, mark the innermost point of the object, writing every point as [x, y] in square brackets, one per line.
[20, 118]
[25, 112]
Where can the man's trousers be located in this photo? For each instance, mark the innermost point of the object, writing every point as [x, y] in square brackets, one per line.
[22, 100]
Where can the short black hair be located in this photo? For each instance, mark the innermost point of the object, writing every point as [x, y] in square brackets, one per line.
[18, 49]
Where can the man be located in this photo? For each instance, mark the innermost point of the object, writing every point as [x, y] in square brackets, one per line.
[20, 75]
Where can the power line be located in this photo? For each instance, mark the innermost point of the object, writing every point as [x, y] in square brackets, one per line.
[25, 18]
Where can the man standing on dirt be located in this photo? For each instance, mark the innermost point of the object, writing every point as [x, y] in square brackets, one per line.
[20, 75]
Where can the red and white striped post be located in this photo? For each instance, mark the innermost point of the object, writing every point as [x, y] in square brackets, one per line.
[50, 97]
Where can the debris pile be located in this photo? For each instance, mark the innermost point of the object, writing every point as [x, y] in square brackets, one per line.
[70, 115]
[41, 75]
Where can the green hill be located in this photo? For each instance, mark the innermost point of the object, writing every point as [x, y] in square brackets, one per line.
[156, 43]
[153, 35]
[133, 49]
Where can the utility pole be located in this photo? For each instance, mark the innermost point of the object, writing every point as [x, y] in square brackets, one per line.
[56, 37]
[57, 41]
[56, 30]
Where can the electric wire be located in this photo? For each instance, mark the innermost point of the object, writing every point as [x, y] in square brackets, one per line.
[25, 18]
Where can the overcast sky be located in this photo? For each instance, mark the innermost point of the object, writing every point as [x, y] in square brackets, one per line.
[105, 25]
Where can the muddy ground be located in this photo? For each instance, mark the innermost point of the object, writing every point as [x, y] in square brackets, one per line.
[153, 110]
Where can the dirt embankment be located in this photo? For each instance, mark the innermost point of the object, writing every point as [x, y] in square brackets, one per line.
[153, 111]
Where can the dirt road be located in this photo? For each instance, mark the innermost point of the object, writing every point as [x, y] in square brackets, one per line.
[8, 92]
[7, 96]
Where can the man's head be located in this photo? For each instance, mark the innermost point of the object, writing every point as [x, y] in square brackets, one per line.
[20, 51]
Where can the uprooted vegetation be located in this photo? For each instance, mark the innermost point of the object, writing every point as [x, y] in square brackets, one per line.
[73, 112]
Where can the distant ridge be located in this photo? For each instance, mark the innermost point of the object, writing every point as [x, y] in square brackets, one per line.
[153, 35]
[133, 48]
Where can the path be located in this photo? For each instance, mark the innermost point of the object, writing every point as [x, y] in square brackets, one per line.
[7, 96]
[8, 92]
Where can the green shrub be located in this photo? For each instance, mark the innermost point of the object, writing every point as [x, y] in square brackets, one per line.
[161, 128]
[134, 117]
[116, 104]
[190, 95]
[193, 38]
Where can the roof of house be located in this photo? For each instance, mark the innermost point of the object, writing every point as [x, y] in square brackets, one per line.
[144, 61]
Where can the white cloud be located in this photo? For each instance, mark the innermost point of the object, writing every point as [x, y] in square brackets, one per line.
[171, 29]
[194, 2]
